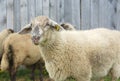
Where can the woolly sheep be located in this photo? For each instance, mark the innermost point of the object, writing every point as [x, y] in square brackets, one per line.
[84, 55]
[19, 50]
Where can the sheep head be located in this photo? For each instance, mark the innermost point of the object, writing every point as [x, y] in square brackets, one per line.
[40, 29]
[68, 26]
[10, 30]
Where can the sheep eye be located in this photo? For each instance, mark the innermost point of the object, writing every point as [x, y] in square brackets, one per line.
[47, 24]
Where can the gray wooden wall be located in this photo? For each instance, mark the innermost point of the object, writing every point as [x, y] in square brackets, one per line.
[84, 14]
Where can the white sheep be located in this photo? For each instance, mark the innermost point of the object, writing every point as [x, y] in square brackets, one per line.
[84, 55]
[59, 51]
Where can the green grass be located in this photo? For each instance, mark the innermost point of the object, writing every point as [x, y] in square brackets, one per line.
[21, 74]
[24, 75]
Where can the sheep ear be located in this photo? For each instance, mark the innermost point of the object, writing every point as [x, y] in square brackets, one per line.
[26, 29]
[54, 25]
[57, 27]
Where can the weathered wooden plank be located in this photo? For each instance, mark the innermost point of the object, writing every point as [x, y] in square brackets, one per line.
[24, 15]
[10, 14]
[31, 9]
[94, 13]
[53, 9]
[106, 11]
[3, 19]
[76, 13]
[46, 7]
[38, 7]
[16, 13]
[68, 11]
[60, 11]
[116, 16]
[85, 14]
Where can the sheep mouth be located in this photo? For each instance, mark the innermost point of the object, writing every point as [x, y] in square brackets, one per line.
[35, 40]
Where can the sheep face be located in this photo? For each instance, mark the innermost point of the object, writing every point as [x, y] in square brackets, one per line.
[41, 28]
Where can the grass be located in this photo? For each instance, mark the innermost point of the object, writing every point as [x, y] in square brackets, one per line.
[24, 75]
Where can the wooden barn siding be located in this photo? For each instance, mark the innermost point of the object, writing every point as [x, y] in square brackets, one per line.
[83, 14]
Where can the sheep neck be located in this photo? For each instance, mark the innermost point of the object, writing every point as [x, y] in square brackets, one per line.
[55, 57]
[53, 46]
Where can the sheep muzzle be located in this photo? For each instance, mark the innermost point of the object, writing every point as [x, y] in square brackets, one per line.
[35, 39]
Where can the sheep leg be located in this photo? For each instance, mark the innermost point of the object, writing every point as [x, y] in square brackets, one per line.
[115, 72]
[33, 72]
[40, 75]
[13, 76]
[12, 73]
[114, 78]
[102, 80]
